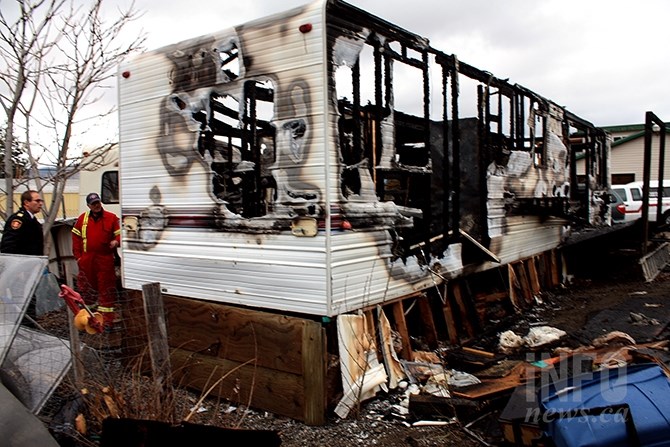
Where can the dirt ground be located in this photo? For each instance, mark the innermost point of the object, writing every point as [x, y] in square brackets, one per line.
[602, 294]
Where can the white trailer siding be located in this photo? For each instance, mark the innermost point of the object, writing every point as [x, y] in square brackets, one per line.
[276, 271]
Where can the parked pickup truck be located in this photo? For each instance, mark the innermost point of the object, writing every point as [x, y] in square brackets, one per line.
[631, 194]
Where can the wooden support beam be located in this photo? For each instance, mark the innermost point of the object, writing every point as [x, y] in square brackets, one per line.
[430, 331]
[514, 289]
[462, 308]
[535, 286]
[543, 271]
[452, 331]
[401, 327]
[314, 363]
[555, 275]
[522, 274]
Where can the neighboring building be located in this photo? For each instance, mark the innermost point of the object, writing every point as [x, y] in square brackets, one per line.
[627, 154]
[70, 205]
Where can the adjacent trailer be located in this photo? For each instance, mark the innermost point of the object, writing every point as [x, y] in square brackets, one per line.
[322, 161]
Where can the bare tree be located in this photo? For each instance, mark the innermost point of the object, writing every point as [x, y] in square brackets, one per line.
[23, 45]
[64, 73]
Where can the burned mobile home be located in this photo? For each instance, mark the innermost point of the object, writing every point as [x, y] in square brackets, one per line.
[318, 162]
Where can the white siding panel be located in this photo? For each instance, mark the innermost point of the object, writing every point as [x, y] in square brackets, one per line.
[283, 41]
[271, 271]
[279, 274]
[526, 236]
[364, 274]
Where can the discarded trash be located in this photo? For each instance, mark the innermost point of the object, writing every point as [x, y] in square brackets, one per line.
[418, 372]
[613, 338]
[642, 319]
[429, 423]
[537, 336]
[543, 335]
[200, 409]
[460, 379]
[84, 318]
[438, 385]
[640, 293]
[510, 342]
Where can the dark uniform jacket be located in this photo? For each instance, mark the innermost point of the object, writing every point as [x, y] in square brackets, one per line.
[22, 235]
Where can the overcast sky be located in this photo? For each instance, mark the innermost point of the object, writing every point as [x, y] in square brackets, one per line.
[604, 60]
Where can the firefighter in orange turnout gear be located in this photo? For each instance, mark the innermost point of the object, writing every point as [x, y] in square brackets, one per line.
[95, 236]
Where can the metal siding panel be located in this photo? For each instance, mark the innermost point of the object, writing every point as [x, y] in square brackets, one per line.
[364, 274]
[527, 236]
[273, 271]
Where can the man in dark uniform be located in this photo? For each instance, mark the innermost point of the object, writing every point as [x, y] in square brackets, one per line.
[23, 232]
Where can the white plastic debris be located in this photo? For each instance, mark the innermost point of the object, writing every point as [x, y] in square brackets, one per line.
[200, 409]
[413, 389]
[435, 423]
[542, 335]
[510, 342]
[459, 379]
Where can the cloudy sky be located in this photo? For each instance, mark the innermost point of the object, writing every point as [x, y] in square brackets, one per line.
[604, 60]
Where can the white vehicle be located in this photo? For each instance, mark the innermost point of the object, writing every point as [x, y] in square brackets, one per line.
[102, 176]
[631, 193]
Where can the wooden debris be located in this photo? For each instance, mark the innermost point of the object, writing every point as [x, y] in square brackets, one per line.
[362, 374]
[389, 356]
[401, 327]
[489, 388]
[472, 359]
[426, 357]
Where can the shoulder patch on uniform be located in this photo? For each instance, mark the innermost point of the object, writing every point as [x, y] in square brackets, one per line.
[16, 224]
[19, 214]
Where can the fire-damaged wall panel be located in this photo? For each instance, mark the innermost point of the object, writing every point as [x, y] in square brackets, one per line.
[323, 160]
[222, 147]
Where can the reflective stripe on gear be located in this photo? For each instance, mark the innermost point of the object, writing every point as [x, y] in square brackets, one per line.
[83, 231]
